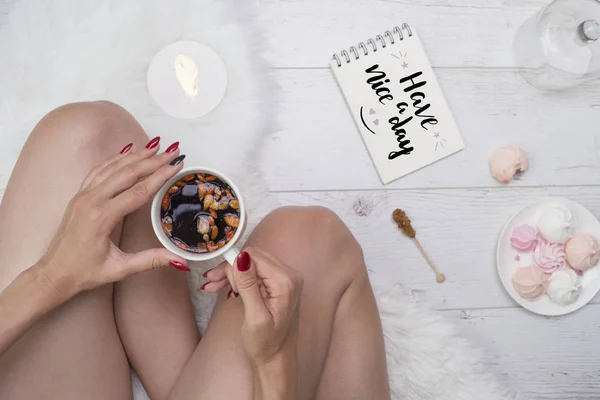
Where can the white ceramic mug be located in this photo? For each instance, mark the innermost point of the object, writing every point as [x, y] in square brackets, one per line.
[229, 251]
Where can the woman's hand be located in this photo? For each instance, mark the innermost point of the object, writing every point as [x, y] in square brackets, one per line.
[271, 293]
[82, 255]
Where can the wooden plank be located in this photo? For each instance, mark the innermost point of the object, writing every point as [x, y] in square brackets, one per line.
[459, 228]
[319, 147]
[546, 358]
[474, 33]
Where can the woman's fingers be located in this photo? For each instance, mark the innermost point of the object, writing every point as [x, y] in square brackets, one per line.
[131, 173]
[217, 273]
[136, 193]
[215, 286]
[267, 267]
[229, 273]
[217, 278]
[279, 280]
[244, 275]
[151, 259]
[119, 162]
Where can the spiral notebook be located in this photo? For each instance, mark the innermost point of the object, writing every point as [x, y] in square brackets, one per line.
[397, 103]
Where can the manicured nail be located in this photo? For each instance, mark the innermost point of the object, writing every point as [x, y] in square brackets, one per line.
[206, 273]
[178, 160]
[126, 149]
[179, 266]
[229, 294]
[236, 294]
[172, 147]
[204, 286]
[243, 261]
[153, 143]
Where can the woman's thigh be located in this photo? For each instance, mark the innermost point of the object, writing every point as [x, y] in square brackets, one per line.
[339, 323]
[75, 351]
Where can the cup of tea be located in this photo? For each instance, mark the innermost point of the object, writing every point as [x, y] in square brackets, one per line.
[199, 214]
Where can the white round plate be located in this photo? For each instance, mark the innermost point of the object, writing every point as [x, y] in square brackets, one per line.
[166, 90]
[506, 256]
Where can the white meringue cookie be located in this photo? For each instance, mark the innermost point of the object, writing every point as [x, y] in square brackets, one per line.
[564, 287]
[557, 224]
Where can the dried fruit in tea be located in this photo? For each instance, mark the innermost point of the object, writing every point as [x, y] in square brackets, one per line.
[232, 220]
[182, 246]
[202, 248]
[208, 200]
[200, 213]
[167, 226]
[203, 224]
[165, 203]
[202, 190]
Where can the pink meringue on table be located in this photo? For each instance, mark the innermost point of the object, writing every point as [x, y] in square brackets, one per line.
[583, 252]
[524, 237]
[530, 282]
[506, 162]
[549, 257]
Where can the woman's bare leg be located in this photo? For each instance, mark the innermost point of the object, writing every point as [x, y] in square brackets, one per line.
[74, 352]
[341, 350]
[154, 314]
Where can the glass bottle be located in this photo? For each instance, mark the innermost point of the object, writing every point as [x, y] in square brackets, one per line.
[558, 48]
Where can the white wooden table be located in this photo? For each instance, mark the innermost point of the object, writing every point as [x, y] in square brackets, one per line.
[318, 158]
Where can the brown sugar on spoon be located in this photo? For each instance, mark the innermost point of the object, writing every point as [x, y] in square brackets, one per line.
[405, 225]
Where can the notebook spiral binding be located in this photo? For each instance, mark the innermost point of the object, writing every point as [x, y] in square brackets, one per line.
[389, 35]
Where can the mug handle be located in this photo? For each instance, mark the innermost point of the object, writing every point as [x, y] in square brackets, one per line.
[230, 255]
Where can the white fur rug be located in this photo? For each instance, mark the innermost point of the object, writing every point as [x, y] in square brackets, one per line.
[61, 51]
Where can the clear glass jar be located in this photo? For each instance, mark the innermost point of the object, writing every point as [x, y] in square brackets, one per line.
[559, 48]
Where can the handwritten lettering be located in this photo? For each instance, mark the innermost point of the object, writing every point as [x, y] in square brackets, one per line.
[417, 97]
[414, 86]
[401, 134]
[376, 81]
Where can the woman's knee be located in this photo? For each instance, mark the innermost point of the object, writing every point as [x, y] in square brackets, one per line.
[312, 239]
[86, 126]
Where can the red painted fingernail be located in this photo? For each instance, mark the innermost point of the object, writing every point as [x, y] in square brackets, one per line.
[229, 294]
[206, 273]
[126, 149]
[243, 261]
[153, 143]
[179, 266]
[204, 286]
[172, 147]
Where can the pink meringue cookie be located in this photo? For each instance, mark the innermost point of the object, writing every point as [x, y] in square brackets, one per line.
[530, 282]
[583, 252]
[549, 257]
[524, 237]
[506, 162]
